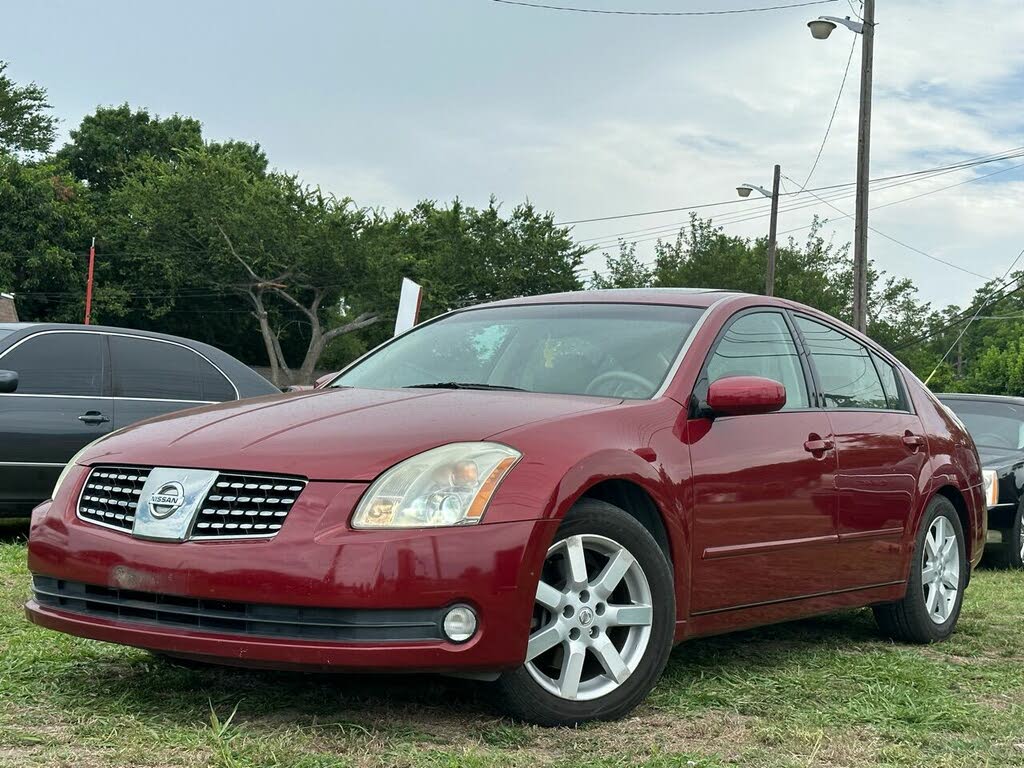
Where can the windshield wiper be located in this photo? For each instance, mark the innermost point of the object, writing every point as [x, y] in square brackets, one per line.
[463, 385]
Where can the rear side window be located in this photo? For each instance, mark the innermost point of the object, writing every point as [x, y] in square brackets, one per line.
[155, 370]
[760, 344]
[848, 377]
[58, 364]
[890, 384]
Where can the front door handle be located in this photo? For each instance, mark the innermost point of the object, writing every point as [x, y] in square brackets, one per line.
[93, 417]
[913, 442]
[818, 446]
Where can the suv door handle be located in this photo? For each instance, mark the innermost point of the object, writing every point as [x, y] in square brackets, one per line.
[913, 442]
[815, 445]
[93, 417]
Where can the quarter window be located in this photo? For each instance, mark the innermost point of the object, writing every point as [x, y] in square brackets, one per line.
[848, 377]
[760, 344]
[58, 364]
[890, 384]
[155, 370]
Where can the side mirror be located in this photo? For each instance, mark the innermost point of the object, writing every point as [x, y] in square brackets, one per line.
[324, 380]
[8, 381]
[745, 396]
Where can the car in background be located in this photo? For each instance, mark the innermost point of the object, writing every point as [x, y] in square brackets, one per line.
[996, 423]
[544, 493]
[63, 386]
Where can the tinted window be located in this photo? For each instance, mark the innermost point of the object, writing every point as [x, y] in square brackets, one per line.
[157, 370]
[58, 364]
[992, 424]
[612, 350]
[848, 377]
[760, 344]
[890, 384]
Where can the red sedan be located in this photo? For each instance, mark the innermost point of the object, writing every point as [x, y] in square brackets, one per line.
[544, 493]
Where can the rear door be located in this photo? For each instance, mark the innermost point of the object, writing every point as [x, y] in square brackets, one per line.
[152, 377]
[61, 404]
[882, 453]
[764, 501]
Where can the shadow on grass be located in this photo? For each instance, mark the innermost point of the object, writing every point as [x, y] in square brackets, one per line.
[151, 687]
[13, 530]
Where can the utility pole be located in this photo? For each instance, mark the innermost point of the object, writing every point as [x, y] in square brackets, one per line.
[773, 228]
[821, 28]
[88, 284]
[860, 248]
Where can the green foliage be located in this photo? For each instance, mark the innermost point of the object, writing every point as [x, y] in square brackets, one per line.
[25, 122]
[624, 270]
[106, 146]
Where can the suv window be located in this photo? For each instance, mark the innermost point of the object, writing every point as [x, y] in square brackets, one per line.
[890, 384]
[760, 344]
[58, 364]
[150, 369]
[848, 377]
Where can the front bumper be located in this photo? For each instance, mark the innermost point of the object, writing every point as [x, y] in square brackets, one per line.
[315, 566]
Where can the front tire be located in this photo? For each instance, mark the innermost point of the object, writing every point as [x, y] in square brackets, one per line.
[603, 622]
[1010, 554]
[938, 575]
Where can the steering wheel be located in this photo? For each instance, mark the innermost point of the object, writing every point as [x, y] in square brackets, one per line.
[621, 378]
[996, 440]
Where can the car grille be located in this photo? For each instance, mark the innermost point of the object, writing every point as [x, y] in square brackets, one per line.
[111, 496]
[238, 505]
[246, 505]
[250, 619]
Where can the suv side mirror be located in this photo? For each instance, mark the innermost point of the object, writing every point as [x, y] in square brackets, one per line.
[745, 396]
[8, 381]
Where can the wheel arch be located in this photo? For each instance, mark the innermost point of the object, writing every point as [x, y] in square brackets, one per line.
[633, 499]
[956, 498]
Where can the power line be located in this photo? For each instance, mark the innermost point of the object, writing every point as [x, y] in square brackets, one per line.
[835, 109]
[610, 12]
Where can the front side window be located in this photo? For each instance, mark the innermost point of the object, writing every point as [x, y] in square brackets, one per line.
[155, 370]
[609, 350]
[58, 364]
[760, 344]
[848, 377]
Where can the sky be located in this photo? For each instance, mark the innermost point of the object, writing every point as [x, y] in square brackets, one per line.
[586, 115]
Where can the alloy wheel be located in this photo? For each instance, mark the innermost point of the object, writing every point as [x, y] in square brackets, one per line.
[592, 618]
[940, 572]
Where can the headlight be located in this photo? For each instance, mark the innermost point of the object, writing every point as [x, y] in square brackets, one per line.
[450, 485]
[991, 478]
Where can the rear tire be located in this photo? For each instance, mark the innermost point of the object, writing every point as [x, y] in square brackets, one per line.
[929, 611]
[603, 623]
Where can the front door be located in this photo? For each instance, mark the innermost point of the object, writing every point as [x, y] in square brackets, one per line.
[764, 501]
[882, 454]
[59, 407]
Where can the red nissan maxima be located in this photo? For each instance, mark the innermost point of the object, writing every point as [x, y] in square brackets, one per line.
[545, 493]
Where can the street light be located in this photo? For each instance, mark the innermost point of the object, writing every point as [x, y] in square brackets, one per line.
[744, 190]
[821, 28]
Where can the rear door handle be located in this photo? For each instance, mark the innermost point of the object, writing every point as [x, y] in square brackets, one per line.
[818, 446]
[93, 417]
[912, 441]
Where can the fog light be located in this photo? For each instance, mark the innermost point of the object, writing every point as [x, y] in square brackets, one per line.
[460, 624]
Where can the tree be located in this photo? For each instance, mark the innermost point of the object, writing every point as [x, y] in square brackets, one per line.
[107, 144]
[25, 123]
[623, 271]
[45, 221]
[211, 220]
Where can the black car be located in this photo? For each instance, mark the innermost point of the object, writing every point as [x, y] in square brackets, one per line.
[997, 425]
[63, 386]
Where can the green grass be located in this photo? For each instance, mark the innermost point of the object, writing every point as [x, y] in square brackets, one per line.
[822, 692]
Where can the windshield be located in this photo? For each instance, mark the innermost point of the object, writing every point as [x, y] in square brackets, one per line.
[991, 424]
[610, 350]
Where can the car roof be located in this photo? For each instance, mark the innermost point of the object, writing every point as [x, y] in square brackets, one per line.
[985, 398]
[689, 297]
[35, 327]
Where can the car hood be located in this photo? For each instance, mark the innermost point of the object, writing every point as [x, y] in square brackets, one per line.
[1000, 459]
[334, 434]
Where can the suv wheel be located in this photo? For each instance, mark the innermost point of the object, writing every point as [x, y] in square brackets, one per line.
[603, 622]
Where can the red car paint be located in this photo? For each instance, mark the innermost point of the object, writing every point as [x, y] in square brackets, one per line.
[829, 499]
